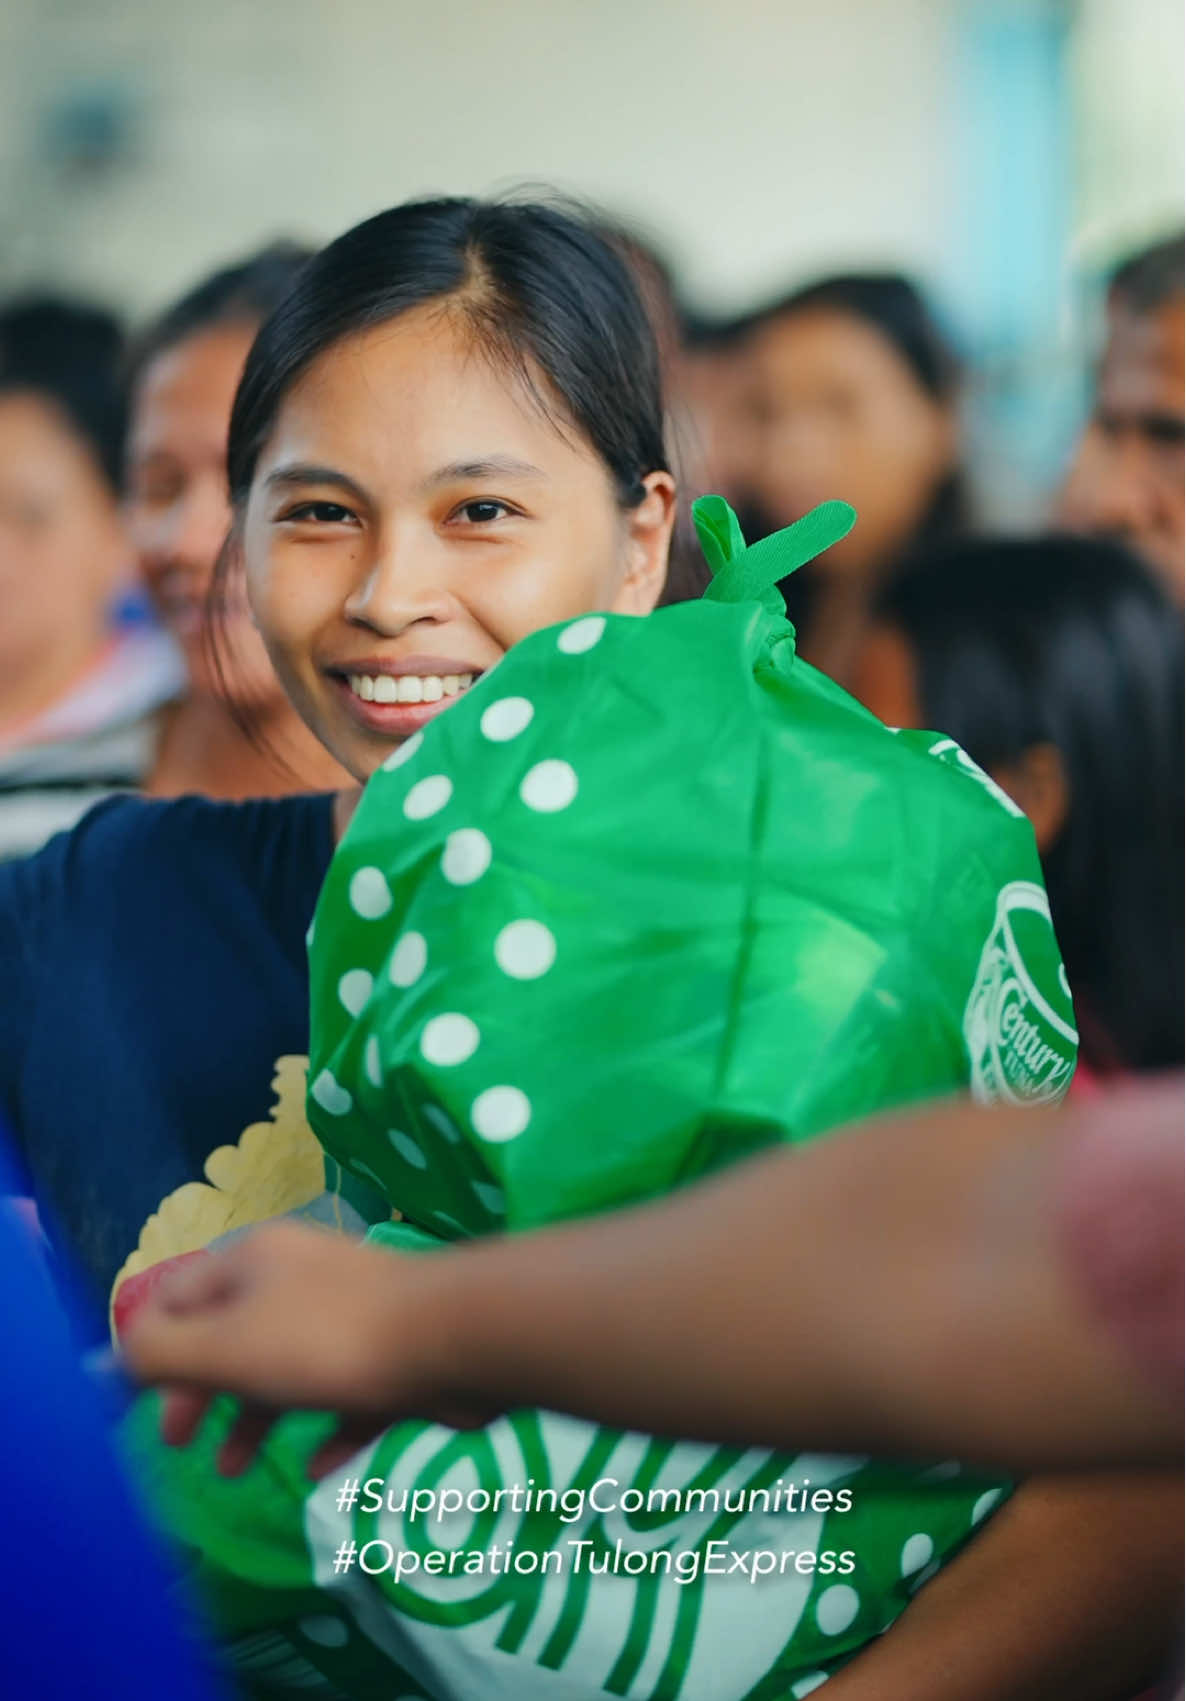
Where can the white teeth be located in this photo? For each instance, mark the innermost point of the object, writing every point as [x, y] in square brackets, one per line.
[408, 687]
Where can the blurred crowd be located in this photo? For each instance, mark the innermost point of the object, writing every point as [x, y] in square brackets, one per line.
[1054, 659]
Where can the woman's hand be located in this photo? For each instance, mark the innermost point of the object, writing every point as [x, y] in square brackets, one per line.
[294, 1317]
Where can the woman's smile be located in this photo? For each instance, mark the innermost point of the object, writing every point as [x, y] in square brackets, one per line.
[397, 698]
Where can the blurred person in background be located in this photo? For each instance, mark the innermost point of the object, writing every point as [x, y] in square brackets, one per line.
[80, 698]
[854, 392]
[715, 385]
[687, 575]
[1056, 664]
[1128, 477]
[232, 733]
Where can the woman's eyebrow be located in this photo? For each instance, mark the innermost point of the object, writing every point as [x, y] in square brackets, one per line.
[484, 466]
[305, 472]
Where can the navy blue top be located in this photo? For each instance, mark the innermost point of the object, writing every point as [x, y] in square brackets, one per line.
[152, 969]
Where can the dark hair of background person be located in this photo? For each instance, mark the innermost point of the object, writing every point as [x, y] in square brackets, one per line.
[244, 293]
[540, 291]
[70, 355]
[1070, 641]
[1148, 279]
[896, 309]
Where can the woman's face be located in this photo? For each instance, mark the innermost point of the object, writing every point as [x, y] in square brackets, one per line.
[838, 413]
[177, 509]
[63, 554]
[413, 514]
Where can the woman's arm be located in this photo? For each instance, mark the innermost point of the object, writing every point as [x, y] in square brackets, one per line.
[1071, 1593]
[905, 1287]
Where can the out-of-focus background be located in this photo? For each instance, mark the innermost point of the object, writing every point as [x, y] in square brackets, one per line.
[1002, 151]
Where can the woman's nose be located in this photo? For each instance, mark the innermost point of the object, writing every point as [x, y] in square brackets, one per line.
[399, 586]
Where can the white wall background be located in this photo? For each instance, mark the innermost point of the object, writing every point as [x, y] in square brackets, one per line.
[757, 140]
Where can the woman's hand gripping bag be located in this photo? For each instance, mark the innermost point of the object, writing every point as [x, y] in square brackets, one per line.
[654, 893]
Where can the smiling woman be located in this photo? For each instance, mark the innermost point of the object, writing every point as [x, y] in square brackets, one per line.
[441, 444]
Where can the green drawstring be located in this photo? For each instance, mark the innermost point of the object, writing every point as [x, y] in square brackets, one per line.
[744, 572]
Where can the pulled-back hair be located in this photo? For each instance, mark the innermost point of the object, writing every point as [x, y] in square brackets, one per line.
[1070, 641]
[536, 286]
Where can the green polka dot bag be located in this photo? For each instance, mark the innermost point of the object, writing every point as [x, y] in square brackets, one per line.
[652, 895]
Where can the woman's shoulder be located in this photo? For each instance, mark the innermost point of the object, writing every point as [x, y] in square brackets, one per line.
[134, 850]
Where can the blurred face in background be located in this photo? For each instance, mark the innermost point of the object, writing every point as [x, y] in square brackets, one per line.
[838, 412]
[63, 554]
[178, 513]
[715, 389]
[1128, 479]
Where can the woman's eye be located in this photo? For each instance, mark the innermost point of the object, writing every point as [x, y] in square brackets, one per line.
[321, 513]
[481, 511]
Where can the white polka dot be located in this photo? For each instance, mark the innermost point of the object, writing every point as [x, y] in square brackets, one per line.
[525, 950]
[372, 1062]
[916, 1552]
[506, 718]
[449, 1039]
[581, 635]
[549, 786]
[330, 1096]
[433, 1114]
[408, 960]
[354, 989]
[500, 1113]
[407, 1148]
[809, 1684]
[428, 796]
[836, 1609]
[491, 1198]
[924, 1576]
[309, 937]
[985, 1504]
[466, 856]
[404, 752]
[325, 1631]
[370, 895]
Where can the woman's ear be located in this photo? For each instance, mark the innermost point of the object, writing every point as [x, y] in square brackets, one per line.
[1037, 782]
[647, 542]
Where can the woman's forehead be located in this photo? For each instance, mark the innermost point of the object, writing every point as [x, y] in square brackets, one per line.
[420, 392]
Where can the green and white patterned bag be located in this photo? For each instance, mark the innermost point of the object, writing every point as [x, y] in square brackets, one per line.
[652, 895]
